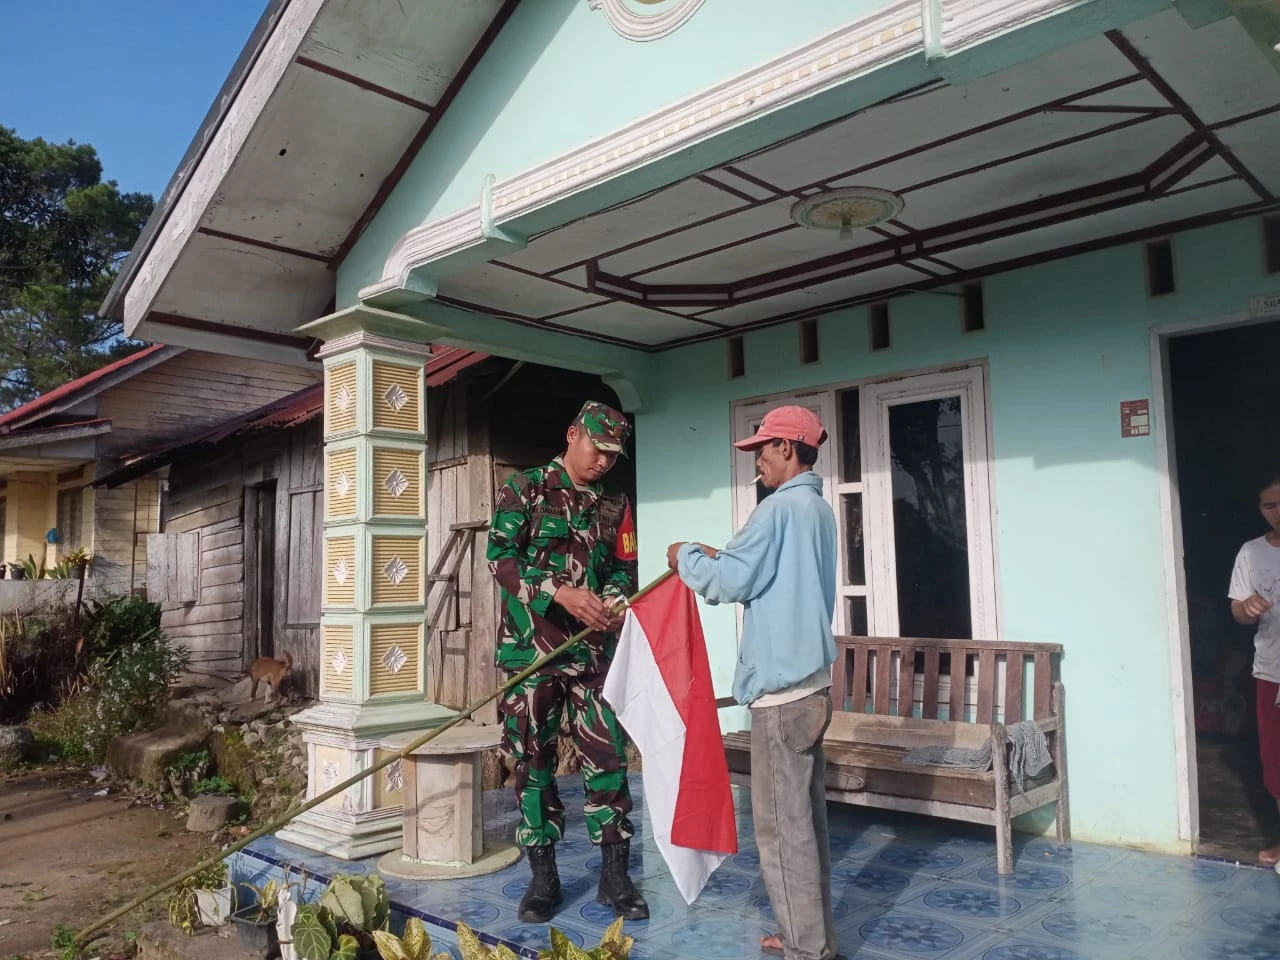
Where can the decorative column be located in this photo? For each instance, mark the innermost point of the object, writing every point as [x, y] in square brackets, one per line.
[373, 619]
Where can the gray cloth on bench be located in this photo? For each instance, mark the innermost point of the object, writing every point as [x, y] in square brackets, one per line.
[1029, 754]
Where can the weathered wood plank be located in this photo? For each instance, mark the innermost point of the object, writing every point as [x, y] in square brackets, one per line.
[1042, 684]
[959, 666]
[880, 692]
[929, 708]
[860, 655]
[216, 558]
[1013, 687]
[986, 685]
[906, 680]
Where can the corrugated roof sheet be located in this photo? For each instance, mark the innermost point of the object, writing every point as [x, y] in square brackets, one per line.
[290, 411]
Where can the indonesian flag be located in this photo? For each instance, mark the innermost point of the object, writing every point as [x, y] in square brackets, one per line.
[660, 687]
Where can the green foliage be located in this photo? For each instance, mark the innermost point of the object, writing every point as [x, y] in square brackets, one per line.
[63, 941]
[351, 910]
[216, 786]
[63, 234]
[118, 695]
[118, 621]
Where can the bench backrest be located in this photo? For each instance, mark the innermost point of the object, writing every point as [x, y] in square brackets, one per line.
[995, 681]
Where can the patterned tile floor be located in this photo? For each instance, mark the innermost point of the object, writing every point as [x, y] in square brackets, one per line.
[904, 887]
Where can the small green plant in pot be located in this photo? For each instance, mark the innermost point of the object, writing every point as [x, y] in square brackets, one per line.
[205, 898]
[256, 924]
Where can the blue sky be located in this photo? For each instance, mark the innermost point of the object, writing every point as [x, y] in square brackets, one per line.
[132, 77]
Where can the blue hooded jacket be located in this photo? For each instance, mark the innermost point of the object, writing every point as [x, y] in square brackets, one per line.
[782, 568]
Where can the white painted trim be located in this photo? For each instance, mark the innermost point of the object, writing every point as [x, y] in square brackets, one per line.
[639, 26]
[1175, 590]
[875, 400]
[1179, 636]
[884, 36]
[362, 338]
[852, 50]
[216, 162]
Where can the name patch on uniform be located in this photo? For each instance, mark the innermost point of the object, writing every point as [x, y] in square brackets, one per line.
[624, 547]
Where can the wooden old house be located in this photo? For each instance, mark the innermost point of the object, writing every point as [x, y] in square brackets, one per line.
[236, 562]
[52, 448]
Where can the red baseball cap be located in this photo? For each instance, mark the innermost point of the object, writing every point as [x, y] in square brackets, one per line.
[786, 423]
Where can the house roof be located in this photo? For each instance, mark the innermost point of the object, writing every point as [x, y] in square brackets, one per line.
[287, 412]
[301, 172]
[84, 387]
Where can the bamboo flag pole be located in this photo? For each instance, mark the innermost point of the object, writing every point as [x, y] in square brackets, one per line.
[82, 939]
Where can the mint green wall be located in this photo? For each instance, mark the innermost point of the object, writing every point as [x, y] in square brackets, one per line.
[558, 76]
[1078, 514]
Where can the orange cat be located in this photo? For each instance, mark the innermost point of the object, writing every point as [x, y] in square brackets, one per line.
[272, 671]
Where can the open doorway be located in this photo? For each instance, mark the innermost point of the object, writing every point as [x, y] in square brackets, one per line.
[1224, 444]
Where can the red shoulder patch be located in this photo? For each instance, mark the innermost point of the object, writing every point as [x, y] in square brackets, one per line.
[624, 547]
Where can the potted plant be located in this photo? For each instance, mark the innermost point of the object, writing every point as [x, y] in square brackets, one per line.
[205, 898]
[256, 923]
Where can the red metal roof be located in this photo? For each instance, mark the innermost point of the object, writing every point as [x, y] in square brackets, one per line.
[51, 398]
[447, 362]
[290, 411]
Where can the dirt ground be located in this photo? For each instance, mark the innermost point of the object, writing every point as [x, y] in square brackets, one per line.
[67, 856]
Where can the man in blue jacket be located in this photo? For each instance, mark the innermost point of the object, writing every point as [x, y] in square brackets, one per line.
[782, 567]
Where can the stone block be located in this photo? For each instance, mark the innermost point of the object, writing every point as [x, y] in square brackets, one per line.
[17, 745]
[143, 756]
[160, 941]
[208, 814]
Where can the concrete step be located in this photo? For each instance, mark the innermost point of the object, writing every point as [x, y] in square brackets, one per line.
[144, 756]
[162, 941]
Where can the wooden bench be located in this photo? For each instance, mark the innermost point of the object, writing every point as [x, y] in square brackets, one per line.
[872, 729]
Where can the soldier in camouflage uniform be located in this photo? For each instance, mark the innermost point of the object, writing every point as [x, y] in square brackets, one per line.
[563, 554]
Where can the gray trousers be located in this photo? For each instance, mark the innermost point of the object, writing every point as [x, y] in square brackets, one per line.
[789, 805]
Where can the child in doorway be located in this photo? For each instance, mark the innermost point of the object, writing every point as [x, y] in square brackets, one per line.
[1254, 592]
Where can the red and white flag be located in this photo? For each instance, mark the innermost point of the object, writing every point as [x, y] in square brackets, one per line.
[660, 687]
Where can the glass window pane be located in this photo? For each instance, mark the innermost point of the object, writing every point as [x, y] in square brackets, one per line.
[855, 550]
[855, 616]
[850, 438]
[926, 446]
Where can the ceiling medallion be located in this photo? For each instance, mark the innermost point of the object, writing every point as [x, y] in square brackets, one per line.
[847, 209]
[646, 19]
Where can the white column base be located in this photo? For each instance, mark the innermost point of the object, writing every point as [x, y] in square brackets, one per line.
[346, 836]
[343, 739]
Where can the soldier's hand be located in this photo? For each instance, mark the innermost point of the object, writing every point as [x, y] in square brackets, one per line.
[585, 606]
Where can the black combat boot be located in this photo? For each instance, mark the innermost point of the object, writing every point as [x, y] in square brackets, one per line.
[544, 889]
[616, 889]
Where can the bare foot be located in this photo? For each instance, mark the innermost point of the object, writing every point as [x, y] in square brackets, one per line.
[771, 942]
[1270, 856]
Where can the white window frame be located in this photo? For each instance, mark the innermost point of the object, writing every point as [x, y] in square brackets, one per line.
[875, 396]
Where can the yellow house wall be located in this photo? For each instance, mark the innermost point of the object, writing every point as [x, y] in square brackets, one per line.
[31, 511]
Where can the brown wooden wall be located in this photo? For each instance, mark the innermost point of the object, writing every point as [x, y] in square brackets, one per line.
[255, 505]
[194, 390]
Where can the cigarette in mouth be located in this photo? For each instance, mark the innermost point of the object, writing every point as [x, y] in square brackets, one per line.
[759, 477]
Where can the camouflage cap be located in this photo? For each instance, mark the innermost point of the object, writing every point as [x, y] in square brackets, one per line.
[607, 428]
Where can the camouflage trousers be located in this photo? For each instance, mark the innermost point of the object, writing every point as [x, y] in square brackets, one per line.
[531, 713]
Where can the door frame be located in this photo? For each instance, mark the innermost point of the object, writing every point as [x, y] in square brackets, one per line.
[1179, 633]
[875, 400]
[976, 374]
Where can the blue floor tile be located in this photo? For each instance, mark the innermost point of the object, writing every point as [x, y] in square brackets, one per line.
[903, 887]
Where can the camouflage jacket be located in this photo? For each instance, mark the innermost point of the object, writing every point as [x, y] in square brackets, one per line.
[545, 534]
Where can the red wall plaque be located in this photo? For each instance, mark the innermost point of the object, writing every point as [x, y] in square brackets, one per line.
[1135, 418]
